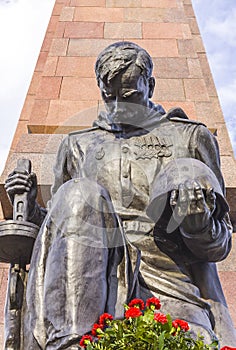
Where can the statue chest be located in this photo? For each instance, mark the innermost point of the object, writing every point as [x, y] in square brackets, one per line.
[126, 167]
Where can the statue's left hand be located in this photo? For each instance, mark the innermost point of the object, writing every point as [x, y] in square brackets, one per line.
[192, 209]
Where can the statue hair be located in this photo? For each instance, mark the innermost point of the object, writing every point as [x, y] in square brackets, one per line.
[118, 57]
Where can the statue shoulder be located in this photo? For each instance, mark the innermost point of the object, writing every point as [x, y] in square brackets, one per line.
[178, 115]
[71, 139]
[83, 131]
[82, 138]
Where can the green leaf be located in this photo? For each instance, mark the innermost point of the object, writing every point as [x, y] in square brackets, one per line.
[169, 321]
[161, 340]
[120, 331]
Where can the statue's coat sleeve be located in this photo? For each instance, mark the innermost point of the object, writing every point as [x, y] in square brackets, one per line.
[214, 242]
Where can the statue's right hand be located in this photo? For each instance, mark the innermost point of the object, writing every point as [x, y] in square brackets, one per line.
[22, 182]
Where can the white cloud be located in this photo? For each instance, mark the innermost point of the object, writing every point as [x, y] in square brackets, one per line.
[228, 94]
[223, 28]
[231, 120]
[227, 99]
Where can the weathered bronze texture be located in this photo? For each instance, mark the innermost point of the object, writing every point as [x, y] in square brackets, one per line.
[17, 238]
[98, 247]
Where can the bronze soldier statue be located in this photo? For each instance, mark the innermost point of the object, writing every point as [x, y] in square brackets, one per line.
[137, 210]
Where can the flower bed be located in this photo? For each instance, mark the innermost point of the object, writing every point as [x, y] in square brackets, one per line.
[144, 328]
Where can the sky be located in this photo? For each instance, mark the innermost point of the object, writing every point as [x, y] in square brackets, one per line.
[217, 22]
[22, 28]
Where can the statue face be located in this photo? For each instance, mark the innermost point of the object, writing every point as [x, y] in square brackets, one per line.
[126, 96]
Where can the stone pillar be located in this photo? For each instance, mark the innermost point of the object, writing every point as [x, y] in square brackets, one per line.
[63, 95]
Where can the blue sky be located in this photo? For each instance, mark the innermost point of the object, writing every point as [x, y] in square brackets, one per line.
[28, 19]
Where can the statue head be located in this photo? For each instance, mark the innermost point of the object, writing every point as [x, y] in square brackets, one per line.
[124, 76]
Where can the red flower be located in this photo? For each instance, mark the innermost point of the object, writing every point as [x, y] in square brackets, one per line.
[138, 303]
[85, 340]
[95, 327]
[227, 348]
[104, 317]
[133, 312]
[153, 301]
[161, 318]
[180, 323]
